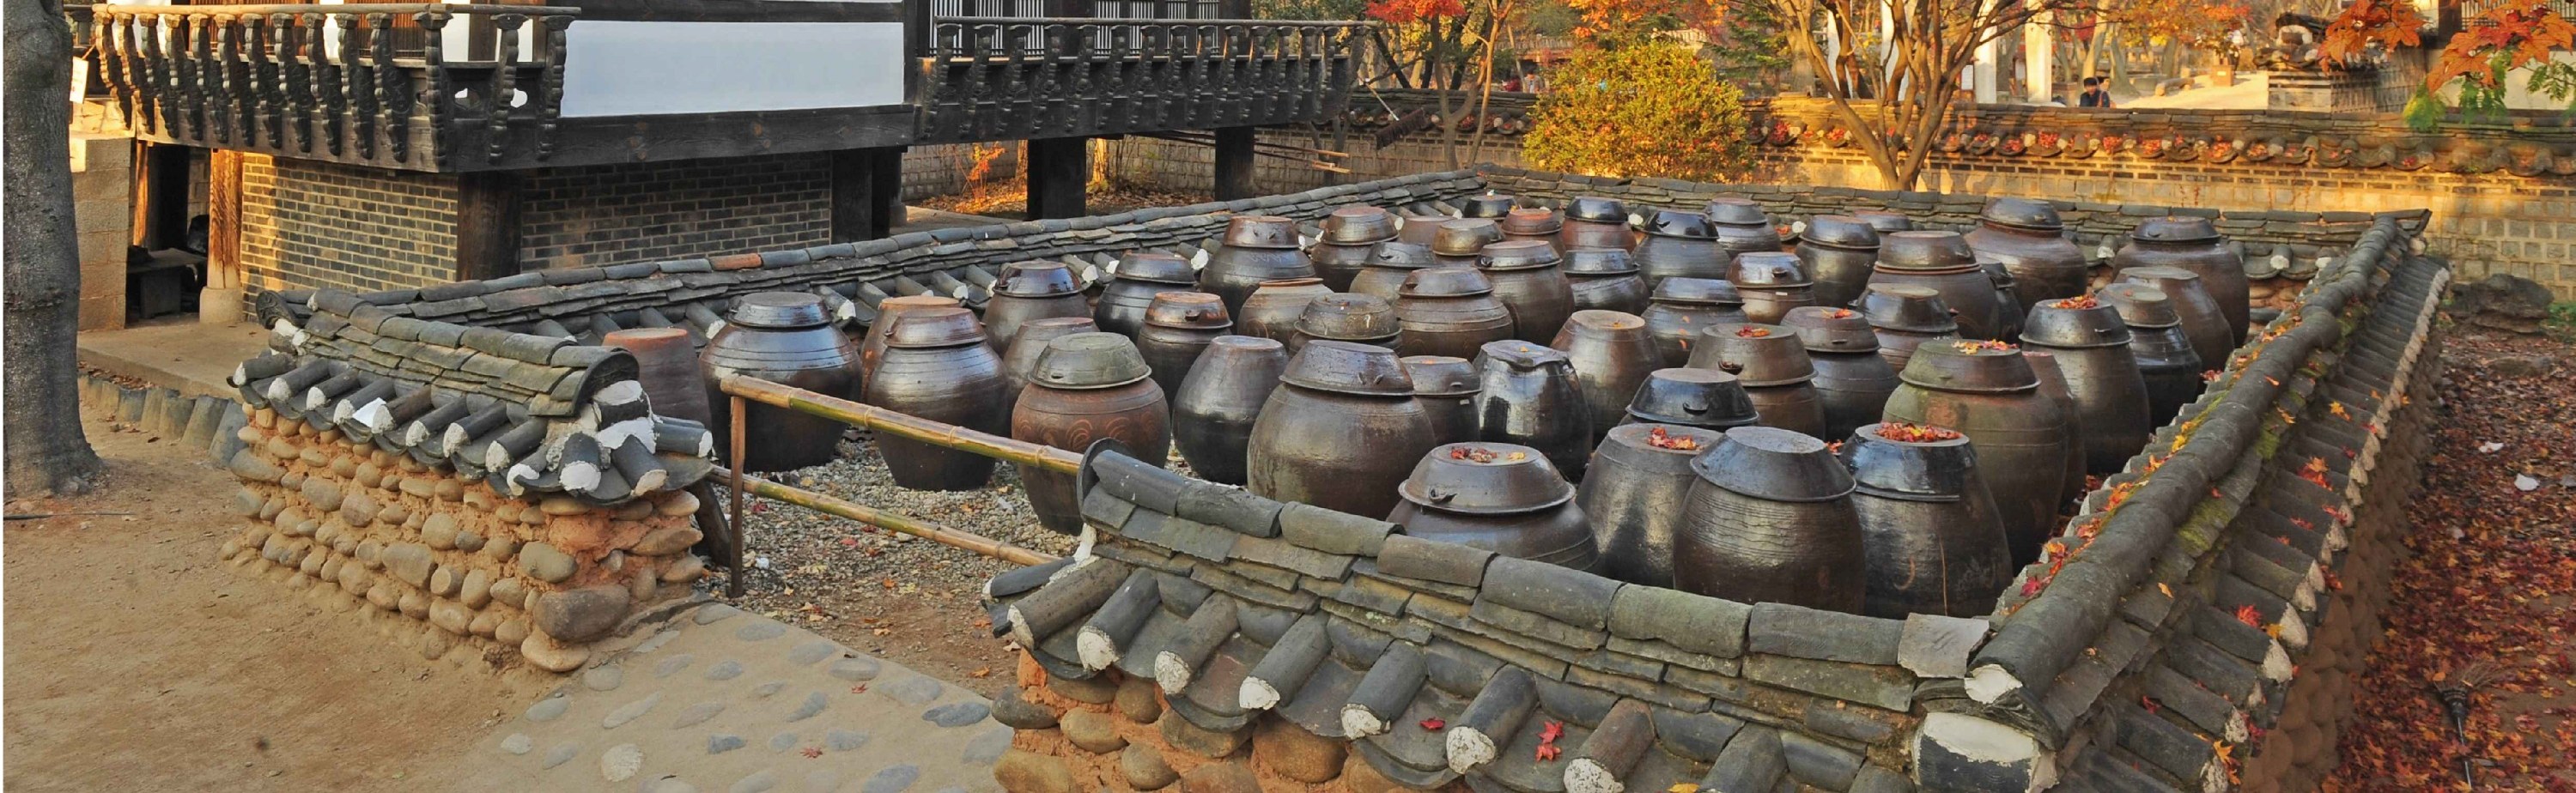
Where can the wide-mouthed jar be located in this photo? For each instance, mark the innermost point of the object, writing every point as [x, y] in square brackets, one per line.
[1449, 311]
[1086, 387]
[2194, 246]
[1497, 497]
[785, 338]
[1212, 415]
[2030, 240]
[1771, 521]
[1987, 391]
[1254, 249]
[1340, 432]
[1942, 262]
[937, 367]
[1682, 307]
[1929, 526]
[1526, 279]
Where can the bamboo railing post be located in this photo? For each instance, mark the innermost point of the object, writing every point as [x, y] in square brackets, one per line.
[733, 456]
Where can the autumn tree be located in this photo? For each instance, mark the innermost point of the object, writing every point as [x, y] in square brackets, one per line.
[2518, 35]
[45, 450]
[2365, 31]
[1649, 107]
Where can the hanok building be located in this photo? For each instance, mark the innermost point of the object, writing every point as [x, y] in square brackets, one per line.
[382, 147]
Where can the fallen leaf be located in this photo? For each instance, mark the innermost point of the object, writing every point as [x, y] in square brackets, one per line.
[1547, 752]
[1434, 724]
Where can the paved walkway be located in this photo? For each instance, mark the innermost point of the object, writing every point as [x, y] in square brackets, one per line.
[722, 700]
[176, 352]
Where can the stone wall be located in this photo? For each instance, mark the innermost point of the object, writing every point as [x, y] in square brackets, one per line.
[102, 215]
[308, 225]
[614, 214]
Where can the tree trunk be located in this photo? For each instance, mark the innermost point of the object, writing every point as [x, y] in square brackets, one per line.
[46, 453]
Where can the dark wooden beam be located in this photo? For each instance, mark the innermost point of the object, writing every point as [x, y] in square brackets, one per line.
[599, 140]
[1234, 156]
[1059, 169]
[160, 195]
[487, 225]
[885, 209]
[862, 179]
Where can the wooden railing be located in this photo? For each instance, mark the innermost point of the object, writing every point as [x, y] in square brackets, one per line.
[385, 85]
[1001, 78]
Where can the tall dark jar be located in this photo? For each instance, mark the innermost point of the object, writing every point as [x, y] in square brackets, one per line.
[2092, 348]
[1021, 360]
[1086, 387]
[1497, 497]
[1490, 205]
[1851, 379]
[1529, 398]
[1446, 388]
[1987, 391]
[785, 338]
[1680, 245]
[1611, 354]
[2165, 358]
[1742, 226]
[1213, 413]
[1774, 369]
[1029, 291]
[1682, 307]
[1605, 279]
[872, 346]
[937, 367]
[1383, 276]
[1341, 432]
[1772, 283]
[1940, 261]
[1685, 397]
[1929, 526]
[1641, 476]
[2052, 384]
[1903, 318]
[2008, 308]
[1272, 310]
[2202, 321]
[1771, 521]
[1595, 222]
[1131, 289]
[1360, 319]
[2194, 246]
[2030, 240]
[1839, 251]
[1449, 311]
[1526, 279]
[1177, 327]
[1460, 241]
[1254, 249]
[1351, 236]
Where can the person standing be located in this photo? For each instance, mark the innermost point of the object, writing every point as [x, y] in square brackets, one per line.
[2095, 94]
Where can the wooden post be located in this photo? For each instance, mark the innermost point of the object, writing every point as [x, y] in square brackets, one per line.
[487, 225]
[160, 195]
[1059, 169]
[867, 193]
[741, 533]
[220, 302]
[885, 196]
[1234, 163]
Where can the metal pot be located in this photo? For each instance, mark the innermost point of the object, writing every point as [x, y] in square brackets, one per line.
[1029, 291]
[1341, 431]
[1087, 386]
[1177, 327]
[1527, 281]
[1605, 279]
[2165, 357]
[1132, 286]
[1771, 521]
[2194, 246]
[1680, 245]
[1460, 241]
[1383, 276]
[1904, 317]
[2052, 384]
[1254, 249]
[1272, 310]
[1774, 369]
[1682, 307]
[1449, 311]
[1612, 354]
[937, 367]
[1529, 398]
[1213, 413]
[1705, 398]
[1446, 388]
[1641, 477]
[1942, 262]
[1595, 222]
[1852, 379]
[1361, 319]
[2092, 348]
[785, 338]
[1839, 251]
[872, 346]
[1987, 391]
[1497, 497]
[1742, 226]
[1771, 283]
[1017, 363]
[1542, 225]
[2030, 240]
[2202, 321]
[1929, 526]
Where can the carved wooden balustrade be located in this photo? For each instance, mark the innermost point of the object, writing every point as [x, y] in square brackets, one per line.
[384, 85]
[1001, 78]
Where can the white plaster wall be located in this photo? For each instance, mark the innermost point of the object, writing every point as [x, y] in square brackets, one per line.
[641, 68]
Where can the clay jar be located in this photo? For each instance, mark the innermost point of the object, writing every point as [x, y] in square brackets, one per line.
[1611, 354]
[667, 366]
[1682, 307]
[1527, 281]
[1360, 319]
[1641, 477]
[1029, 291]
[1595, 222]
[937, 367]
[1446, 388]
[2165, 357]
[1132, 286]
[1459, 242]
[2202, 321]
[1884, 221]
[1771, 521]
[1341, 431]
[2008, 309]
[1774, 369]
[1679, 245]
[2092, 348]
[1021, 360]
[1254, 249]
[1449, 311]
[1742, 227]
[2052, 384]
[1929, 526]
[1682, 396]
[2030, 240]
[1383, 276]
[2194, 246]
[1904, 317]
[1086, 387]
[1605, 279]
[1542, 225]
[1852, 379]
[1771, 283]
[1987, 391]
[1490, 205]
[1351, 236]
[1213, 413]
[1529, 398]
[1271, 312]
[1839, 251]
[1177, 326]
[873, 345]
[784, 338]
[1413, 229]
[1497, 497]
[1941, 261]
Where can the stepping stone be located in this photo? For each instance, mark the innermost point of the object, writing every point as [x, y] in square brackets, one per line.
[629, 711]
[603, 678]
[620, 762]
[987, 748]
[562, 753]
[759, 781]
[725, 670]
[844, 740]
[782, 742]
[721, 743]
[697, 714]
[769, 689]
[957, 714]
[518, 743]
[810, 652]
[549, 709]
[914, 690]
[856, 669]
[672, 665]
[813, 704]
[713, 614]
[761, 631]
[892, 780]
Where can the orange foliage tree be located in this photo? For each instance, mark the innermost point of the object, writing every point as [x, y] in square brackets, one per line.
[2513, 35]
[2369, 26]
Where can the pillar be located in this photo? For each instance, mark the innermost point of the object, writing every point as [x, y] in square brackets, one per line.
[867, 193]
[1234, 157]
[1059, 170]
[220, 302]
[2039, 57]
[487, 225]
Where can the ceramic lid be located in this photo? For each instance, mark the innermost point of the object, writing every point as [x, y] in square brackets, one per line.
[1359, 225]
[2141, 306]
[1917, 309]
[1449, 281]
[1599, 261]
[2074, 323]
[1595, 209]
[1089, 360]
[1159, 268]
[1519, 355]
[781, 310]
[1695, 397]
[1441, 375]
[935, 326]
[1680, 440]
[1292, 286]
[1737, 211]
[1774, 464]
[1187, 310]
[1490, 205]
[1532, 222]
[1772, 269]
[2163, 277]
[1036, 279]
[1758, 355]
[1517, 255]
[1402, 256]
[1349, 316]
[1840, 231]
[2176, 229]
[1481, 478]
[1465, 236]
[2022, 213]
[1924, 251]
[1984, 367]
[1260, 231]
[1684, 225]
[1599, 323]
[1913, 462]
[1885, 220]
[1840, 330]
[1698, 291]
[1348, 368]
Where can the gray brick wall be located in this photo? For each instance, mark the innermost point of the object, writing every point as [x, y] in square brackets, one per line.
[614, 214]
[314, 224]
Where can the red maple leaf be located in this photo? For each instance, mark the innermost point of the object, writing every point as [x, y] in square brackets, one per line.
[1434, 724]
[2251, 616]
[811, 752]
[1547, 752]
[1550, 732]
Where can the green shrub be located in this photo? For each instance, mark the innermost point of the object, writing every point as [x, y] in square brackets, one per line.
[1646, 109]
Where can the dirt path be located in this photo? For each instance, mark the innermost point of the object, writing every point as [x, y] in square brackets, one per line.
[135, 662]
